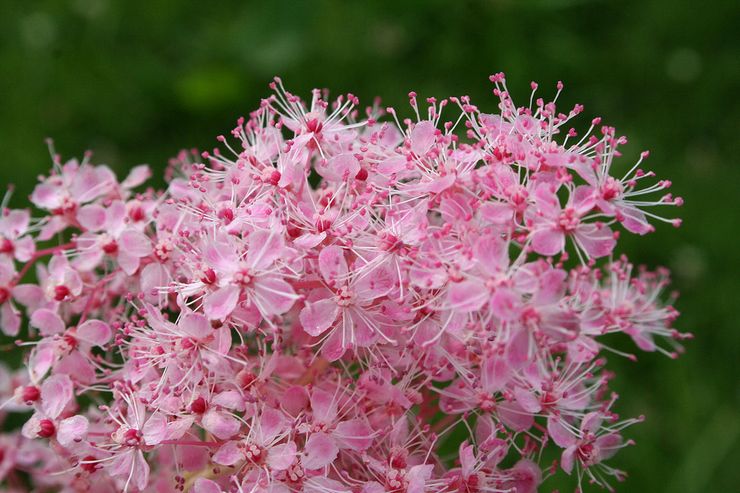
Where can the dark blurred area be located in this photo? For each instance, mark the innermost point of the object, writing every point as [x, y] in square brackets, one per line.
[137, 81]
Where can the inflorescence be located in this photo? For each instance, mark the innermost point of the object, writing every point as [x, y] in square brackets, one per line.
[334, 302]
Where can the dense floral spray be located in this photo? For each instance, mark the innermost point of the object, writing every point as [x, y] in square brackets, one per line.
[334, 303]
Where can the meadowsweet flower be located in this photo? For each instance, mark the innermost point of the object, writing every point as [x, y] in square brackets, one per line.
[326, 302]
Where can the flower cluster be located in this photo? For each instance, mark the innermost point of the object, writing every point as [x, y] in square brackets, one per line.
[333, 301]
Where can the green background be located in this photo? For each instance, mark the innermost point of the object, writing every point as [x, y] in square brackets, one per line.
[136, 81]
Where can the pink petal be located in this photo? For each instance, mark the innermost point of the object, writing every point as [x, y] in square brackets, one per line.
[272, 424]
[549, 241]
[596, 239]
[567, 459]
[177, 428]
[195, 325]
[56, 392]
[634, 221]
[294, 400]
[341, 167]
[265, 247]
[323, 406]
[281, 457]
[592, 422]
[10, 319]
[377, 283]
[559, 433]
[492, 254]
[219, 304]
[275, 295]
[527, 400]
[466, 296]
[321, 450]
[116, 215]
[152, 277]
[318, 316]
[496, 212]
[15, 222]
[495, 373]
[546, 200]
[422, 137]
[95, 332]
[41, 359]
[46, 196]
[229, 454]
[506, 304]
[513, 416]
[332, 264]
[155, 429]
[335, 346]
[128, 263]
[72, 430]
[309, 240]
[122, 464]
[135, 243]
[551, 286]
[77, 367]
[221, 424]
[417, 477]
[137, 176]
[527, 476]
[354, 434]
[47, 321]
[28, 295]
[230, 399]
[91, 217]
[203, 485]
[608, 445]
[517, 352]
[141, 471]
[25, 248]
[466, 456]
[391, 165]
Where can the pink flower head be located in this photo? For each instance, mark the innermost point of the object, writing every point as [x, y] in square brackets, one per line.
[329, 300]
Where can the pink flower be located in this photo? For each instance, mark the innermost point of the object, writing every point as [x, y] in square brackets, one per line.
[551, 224]
[347, 309]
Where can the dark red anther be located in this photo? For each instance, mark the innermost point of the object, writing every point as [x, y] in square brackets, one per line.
[199, 406]
[30, 394]
[132, 436]
[69, 340]
[209, 276]
[4, 295]
[323, 224]
[61, 293]
[111, 247]
[226, 214]
[89, 464]
[6, 246]
[274, 178]
[314, 125]
[362, 174]
[136, 214]
[245, 378]
[46, 428]
[398, 461]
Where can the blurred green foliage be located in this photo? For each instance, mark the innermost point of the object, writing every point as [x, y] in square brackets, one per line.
[137, 81]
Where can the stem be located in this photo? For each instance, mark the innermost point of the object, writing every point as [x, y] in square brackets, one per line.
[37, 255]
